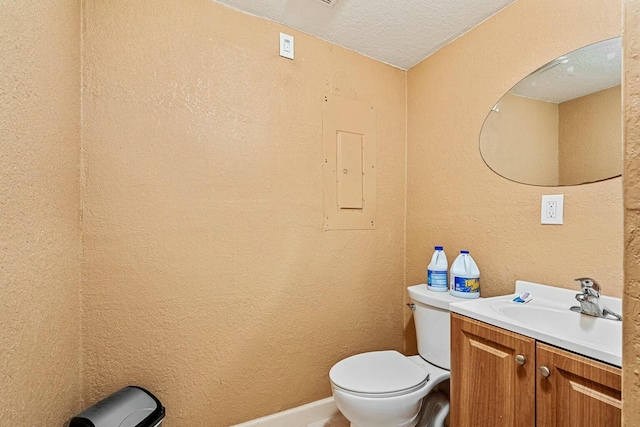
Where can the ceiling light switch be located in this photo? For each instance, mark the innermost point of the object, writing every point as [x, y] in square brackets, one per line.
[286, 46]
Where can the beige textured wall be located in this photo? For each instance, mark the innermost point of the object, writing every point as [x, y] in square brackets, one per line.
[590, 137]
[631, 300]
[455, 200]
[520, 140]
[207, 275]
[39, 206]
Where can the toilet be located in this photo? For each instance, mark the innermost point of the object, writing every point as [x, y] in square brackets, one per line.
[388, 389]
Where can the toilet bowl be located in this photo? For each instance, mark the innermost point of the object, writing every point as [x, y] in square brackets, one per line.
[383, 389]
[388, 389]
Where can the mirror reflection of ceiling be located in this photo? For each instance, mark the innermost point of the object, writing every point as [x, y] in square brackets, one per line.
[400, 33]
[562, 124]
[579, 73]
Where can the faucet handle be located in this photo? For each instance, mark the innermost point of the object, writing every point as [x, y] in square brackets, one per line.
[589, 286]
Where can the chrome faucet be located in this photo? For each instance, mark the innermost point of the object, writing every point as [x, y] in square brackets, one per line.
[589, 299]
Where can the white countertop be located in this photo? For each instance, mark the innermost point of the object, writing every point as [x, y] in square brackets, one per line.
[547, 318]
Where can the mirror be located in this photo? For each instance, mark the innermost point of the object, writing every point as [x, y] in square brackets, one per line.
[562, 124]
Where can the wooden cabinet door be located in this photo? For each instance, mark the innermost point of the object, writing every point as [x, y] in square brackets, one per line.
[579, 392]
[488, 386]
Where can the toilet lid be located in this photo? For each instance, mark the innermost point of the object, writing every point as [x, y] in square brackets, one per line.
[377, 372]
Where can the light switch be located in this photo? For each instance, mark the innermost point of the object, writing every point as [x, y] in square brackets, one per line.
[349, 170]
[286, 46]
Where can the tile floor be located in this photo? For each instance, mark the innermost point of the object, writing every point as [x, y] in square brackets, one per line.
[336, 421]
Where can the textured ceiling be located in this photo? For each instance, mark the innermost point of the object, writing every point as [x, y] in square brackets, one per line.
[399, 32]
[584, 71]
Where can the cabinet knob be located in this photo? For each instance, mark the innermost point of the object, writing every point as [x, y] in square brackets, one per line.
[520, 359]
[544, 371]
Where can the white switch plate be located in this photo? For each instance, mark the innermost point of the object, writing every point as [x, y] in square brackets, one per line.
[552, 210]
[286, 46]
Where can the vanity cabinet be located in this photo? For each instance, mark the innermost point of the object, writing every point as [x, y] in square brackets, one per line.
[488, 388]
[500, 378]
[578, 391]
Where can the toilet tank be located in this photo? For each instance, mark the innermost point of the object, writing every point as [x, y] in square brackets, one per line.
[433, 324]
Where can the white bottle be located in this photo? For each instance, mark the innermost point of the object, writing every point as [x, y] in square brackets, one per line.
[437, 271]
[464, 280]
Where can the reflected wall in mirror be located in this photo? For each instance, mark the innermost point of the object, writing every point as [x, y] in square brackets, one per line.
[562, 124]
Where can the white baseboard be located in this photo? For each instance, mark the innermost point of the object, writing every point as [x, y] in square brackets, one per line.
[297, 417]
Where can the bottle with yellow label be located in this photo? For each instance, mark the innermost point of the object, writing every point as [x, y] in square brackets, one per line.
[464, 277]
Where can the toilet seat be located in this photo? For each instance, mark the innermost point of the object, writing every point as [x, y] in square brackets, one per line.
[379, 374]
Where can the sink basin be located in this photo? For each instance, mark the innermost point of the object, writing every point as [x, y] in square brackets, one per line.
[548, 318]
[598, 332]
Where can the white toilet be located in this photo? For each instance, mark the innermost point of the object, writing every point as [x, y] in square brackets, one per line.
[387, 389]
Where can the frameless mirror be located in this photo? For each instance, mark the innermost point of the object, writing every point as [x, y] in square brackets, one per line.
[562, 124]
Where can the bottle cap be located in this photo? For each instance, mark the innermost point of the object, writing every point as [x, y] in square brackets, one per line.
[438, 248]
[464, 252]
